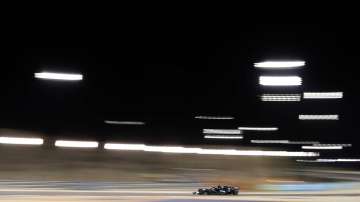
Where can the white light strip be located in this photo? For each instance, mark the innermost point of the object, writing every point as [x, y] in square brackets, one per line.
[326, 145]
[328, 160]
[59, 76]
[319, 117]
[223, 137]
[303, 142]
[76, 144]
[322, 147]
[279, 64]
[270, 141]
[124, 122]
[323, 95]
[222, 131]
[188, 150]
[280, 97]
[280, 80]
[259, 128]
[21, 141]
[214, 117]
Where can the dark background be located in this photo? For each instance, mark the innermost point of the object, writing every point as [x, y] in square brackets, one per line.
[165, 71]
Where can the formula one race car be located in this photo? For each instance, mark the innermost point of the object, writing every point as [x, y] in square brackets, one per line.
[219, 190]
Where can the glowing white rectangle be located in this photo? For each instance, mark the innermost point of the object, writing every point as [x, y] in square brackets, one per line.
[322, 147]
[130, 147]
[323, 95]
[348, 160]
[259, 128]
[214, 117]
[280, 80]
[270, 141]
[76, 144]
[21, 141]
[326, 145]
[280, 98]
[319, 117]
[223, 137]
[59, 76]
[222, 131]
[328, 160]
[188, 150]
[124, 122]
[303, 142]
[279, 64]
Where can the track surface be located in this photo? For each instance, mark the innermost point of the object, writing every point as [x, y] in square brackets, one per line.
[154, 192]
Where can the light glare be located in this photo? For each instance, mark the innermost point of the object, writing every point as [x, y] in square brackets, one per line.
[259, 128]
[319, 117]
[76, 144]
[223, 137]
[280, 80]
[59, 76]
[323, 95]
[279, 64]
[21, 141]
[186, 150]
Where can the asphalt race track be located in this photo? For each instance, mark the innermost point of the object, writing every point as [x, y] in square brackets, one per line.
[154, 192]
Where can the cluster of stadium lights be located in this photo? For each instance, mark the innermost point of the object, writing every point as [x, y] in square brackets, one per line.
[263, 80]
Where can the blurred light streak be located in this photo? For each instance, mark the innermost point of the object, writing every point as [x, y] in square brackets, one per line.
[326, 145]
[303, 142]
[21, 141]
[280, 80]
[279, 64]
[328, 160]
[187, 150]
[270, 141]
[76, 144]
[215, 117]
[259, 128]
[281, 97]
[58, 76]
[124, 122]
[319, 117]
[323, 95]
[322, 147]
[223, 137]
[222, 131]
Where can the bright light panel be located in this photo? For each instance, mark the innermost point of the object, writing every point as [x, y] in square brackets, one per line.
[322, 147]
[223, 137]
[280, 80]
[21, 141]
[186, 150]
[222, 131]
[124, 122]
[76, 144]
[323, 95]
[281, 98]
[59, 76]
[328, 160]
[279, 64]
[270, 141]
[259, 128]
[319, 117]
[130, 147]
[325, 145]
[303, 142]
[214, 117]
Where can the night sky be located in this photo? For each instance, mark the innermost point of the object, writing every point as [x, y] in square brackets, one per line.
[166, 72]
